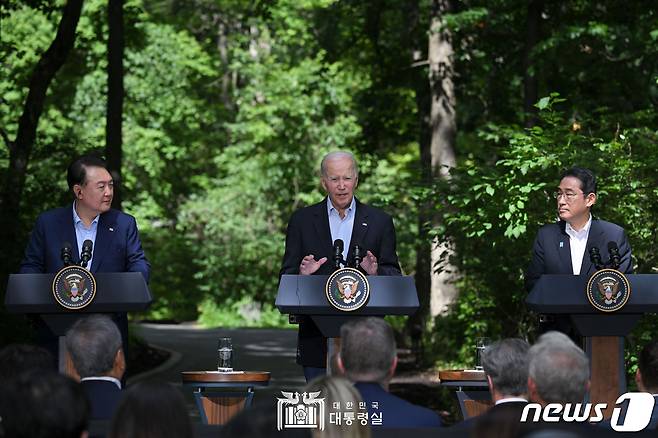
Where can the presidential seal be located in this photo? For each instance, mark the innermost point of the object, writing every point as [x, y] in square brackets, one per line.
[74, 287]
[347, 289]
[608, 290]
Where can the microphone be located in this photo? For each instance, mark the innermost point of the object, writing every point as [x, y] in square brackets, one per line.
[86, 253]
[595, 257]
[66, 253]
[338, 252]
[358, 256]
[615, 258]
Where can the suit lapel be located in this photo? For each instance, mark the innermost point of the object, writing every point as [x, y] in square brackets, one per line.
[321, 224]
[594, 238]
[104, 236]
[359, 228]
[563, 248]
[68, 232]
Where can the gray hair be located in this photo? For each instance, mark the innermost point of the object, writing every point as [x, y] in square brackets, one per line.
[559, 369]
[336, 155]
[367, 349]
[93, 343]
[506, 362]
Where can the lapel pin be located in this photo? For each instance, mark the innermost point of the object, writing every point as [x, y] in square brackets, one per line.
[561, 244]
[364, 224]
[111, 229]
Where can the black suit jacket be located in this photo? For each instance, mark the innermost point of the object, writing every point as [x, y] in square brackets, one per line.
[503, 418]
[309, 233]
[104, 397]
[551, 253]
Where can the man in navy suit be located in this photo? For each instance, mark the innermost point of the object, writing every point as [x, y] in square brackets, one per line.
[114, 235]
[309, 241]
[505, 365]
[564, 247]
[368, 358]
[94, 343]
[646, 377]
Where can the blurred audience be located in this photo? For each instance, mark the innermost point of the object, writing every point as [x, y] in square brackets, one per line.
[646, 377]
[151, 410]
[368, 358]
[43, 404]
[16, 359]
[94, 344]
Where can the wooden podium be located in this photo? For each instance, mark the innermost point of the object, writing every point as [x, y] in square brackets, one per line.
[603, 332]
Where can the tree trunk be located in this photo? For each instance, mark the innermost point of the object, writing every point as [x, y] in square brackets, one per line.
[442, 145]
[114, 116]
[530, 87]
[21, 148]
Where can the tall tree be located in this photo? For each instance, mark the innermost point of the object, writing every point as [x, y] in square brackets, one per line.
[115, 92]
[530, 83]
[20, 148]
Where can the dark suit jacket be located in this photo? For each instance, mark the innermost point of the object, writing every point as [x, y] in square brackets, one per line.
[396, 412]
[548, 257]
[104, 397]
[502, 418]
[117, 247]
[309, 233]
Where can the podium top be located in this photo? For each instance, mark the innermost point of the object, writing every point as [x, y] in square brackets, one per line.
[566, 294]
[305, 295]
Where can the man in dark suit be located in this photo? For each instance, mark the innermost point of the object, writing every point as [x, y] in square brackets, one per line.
[646, 377]
[505, 365]
[94, 344]
[114, 235]
[309, 241]
[564, 247]
[368, 358]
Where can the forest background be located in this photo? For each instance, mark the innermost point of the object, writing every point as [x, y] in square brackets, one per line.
[214, 115]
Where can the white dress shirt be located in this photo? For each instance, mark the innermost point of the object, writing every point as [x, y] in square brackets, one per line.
[578, 244]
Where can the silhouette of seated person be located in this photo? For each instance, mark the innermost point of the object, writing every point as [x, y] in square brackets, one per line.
[16, 359]
[94, 344]
[646, 377]
[368, 358]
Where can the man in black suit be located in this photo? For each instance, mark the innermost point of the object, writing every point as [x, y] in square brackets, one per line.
[564, 247]
[94, 343]
[646, 377]
[505, 365]
[309, 241]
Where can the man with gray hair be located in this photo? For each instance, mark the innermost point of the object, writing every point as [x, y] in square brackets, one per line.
[94, 344]
[368, 358]
[312, 232]
[558, 370]
[505, 365]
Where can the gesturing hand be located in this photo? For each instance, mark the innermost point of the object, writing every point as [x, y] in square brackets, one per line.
[309, 265]
[369, 263]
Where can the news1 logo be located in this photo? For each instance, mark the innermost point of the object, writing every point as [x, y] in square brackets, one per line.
[638, 412]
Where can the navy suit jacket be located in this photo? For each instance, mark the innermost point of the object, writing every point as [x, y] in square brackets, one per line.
[117, 247]
[551, 253]
[503, 417]
[396, 412]
[104, 397]
[309, 233]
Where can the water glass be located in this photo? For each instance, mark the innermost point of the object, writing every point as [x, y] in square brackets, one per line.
[480, 345]
[224, 355]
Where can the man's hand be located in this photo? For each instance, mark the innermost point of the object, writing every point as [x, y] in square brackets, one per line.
[309, 265]
[369, 263]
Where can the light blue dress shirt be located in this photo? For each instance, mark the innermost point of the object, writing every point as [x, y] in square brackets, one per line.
[341, 228]
[83, 233]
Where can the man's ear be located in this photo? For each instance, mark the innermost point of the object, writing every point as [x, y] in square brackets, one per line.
[394, 365]
[77, 191]
[339, 363]
[591, 199]
[120, 362]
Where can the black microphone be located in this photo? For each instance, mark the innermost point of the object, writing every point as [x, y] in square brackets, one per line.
[615, 258]
[595, 257]
[66, 253]
[358, 256]
[338, 252]
[86, 252]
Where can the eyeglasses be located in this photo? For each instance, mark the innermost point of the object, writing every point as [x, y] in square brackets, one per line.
[569, 196]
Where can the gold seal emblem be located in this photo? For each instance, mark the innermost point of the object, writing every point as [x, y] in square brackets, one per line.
[608, 290]
[347, 289]
[74, 287]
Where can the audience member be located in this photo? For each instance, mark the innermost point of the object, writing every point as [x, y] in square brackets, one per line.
[647, 377]
[505, 365]
[339, 396]
[43, 404]
[151, 410]
[368, 358]
[94, 344]
[16, 359]
[260, 422]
